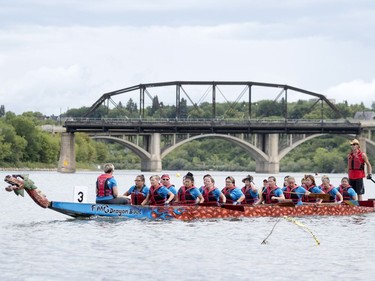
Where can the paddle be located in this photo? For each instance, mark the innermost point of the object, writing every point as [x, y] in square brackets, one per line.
[286, 203]
[283, 203]
[351, 202]
[225, 206]
[323, 196]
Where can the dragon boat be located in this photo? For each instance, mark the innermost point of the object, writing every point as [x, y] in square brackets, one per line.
[19, 184]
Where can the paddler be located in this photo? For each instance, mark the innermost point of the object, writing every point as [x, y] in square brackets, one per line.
[310, 185]
[189, 194]
[346, 190]
[328, 188]
[232, 193]
[210, 192]
[293, 191]
[158, 195]
[139, 191]
[272, 193]
[166, 181]
[250, 190]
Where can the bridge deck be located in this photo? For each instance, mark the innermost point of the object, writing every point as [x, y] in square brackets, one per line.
[219, 126]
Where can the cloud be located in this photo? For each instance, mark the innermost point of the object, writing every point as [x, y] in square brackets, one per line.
[47, 67]
[354, 92]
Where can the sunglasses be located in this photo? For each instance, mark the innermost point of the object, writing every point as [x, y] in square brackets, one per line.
[164, 179]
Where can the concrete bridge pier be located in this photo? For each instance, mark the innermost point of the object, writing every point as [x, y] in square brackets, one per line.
[271, 148]
[154, 163]
[67, 160]
[362, 143]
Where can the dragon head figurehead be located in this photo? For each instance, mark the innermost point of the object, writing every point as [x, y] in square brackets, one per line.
[20, 183]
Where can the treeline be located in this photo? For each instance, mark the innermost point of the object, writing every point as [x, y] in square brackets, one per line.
[269, 109]
[23, 144]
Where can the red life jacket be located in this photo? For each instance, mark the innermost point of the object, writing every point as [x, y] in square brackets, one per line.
[209, 195]
[331, 198]
[155, 198]
[292, 196]
[249, 199]
[184, 195]
[226, 191]
[356, 165]
[102, 187]
[306, 198]
[344, 192]
[268, 193]
[137, 196]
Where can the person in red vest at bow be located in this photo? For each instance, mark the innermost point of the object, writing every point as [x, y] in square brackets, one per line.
[356, 168]
[189, 194]
[158, 194]
[106, 188]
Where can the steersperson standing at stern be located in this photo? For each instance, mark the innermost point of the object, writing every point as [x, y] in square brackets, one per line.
[356, 168]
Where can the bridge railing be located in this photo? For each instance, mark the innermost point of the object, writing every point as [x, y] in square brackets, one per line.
[83, 120]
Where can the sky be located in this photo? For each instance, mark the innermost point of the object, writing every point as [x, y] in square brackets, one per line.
[62, 54]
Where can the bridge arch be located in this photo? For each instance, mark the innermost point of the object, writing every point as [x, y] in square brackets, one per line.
[253, 150]
[370, 145]
[285, 151]
[143, 154]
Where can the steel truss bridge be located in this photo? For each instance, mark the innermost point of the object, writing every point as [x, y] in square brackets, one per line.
[267, 141]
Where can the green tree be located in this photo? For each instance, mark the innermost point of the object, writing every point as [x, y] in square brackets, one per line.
[25, 127]
[2, 110]
[131, 106]
[50, 152]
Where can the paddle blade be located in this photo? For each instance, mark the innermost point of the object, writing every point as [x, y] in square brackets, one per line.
[233, 207]
[351, 202]
[286, 203]
[323, 196]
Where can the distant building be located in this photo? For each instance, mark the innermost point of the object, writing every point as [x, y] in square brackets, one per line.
[365, 115]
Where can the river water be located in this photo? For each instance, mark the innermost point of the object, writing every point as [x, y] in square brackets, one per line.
[39, 244]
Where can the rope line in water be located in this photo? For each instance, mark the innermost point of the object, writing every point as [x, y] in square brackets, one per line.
[304, 227]
[265, 239]
[299, 224]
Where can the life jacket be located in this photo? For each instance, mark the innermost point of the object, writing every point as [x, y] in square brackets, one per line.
[249, 199]
[137, 196]
[356, 165]
[292, 196]
[306, 198]
[102, 187]
[184, 195]
[331, 198]
[226, 191]
[344, 192]
[267, 195]
[209, 195]
[155, 198]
